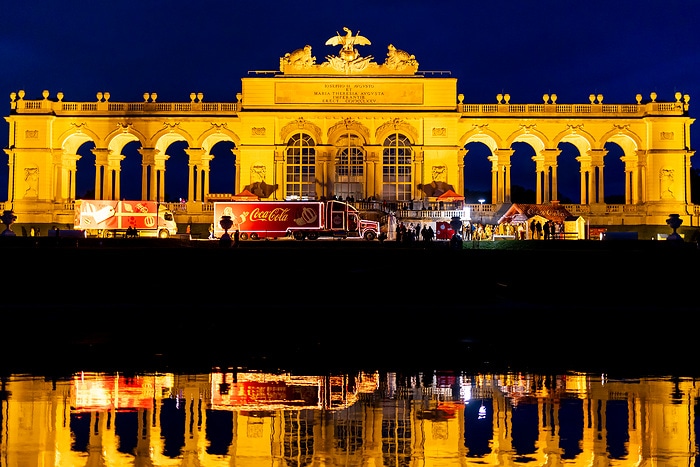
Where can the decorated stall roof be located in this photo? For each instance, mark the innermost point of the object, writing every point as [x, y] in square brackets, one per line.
[522, 212]
[450, 196]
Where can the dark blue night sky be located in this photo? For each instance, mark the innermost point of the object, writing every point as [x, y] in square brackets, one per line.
[525, 49]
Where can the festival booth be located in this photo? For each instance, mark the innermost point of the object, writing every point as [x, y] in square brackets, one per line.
[245, 195]
[450, 197]
[574, 228]
[568, 226]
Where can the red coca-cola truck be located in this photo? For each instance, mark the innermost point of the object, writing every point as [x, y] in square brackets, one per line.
[299, 219]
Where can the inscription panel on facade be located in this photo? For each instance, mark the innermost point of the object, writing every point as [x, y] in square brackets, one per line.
[354, 93]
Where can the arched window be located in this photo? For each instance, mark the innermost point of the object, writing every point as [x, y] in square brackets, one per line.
[397, 159]
[349, 167]
[301, 167]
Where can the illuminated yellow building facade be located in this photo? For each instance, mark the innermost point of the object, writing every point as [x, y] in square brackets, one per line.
[351, 126]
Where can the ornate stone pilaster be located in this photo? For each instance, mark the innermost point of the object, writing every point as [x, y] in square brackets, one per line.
[101, 169]
[500, 176]
[148, 173]
[198, 170]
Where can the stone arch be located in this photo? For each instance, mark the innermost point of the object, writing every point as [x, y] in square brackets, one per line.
[536, 139]
[301, 124]
[487, 139]
[87, 135]
[223, 170]
[125, 129]
[583, 141]
[623, 173]
[117, 143]
[73, 141]
[216, 134]
[348, 126]
[169, 134]
[213, 139]
[482, 135]
[396, 125]
[629, 141]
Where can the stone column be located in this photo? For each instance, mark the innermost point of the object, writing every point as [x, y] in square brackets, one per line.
[541, 177]
[237, 168]
[586, 176]
[461, 154]
[101, 169]
[549, 158]
[417, 175]
[114, 183]
[372, 174]
[598, 184]
[148, 161]
[159, 187]
[195, 192]
[57, 182]
[500, 176]
[279, 173]
[495, 180]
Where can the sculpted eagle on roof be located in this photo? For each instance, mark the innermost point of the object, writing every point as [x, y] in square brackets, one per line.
[348, 43]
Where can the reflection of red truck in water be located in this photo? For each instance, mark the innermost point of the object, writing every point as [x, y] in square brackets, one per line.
[301, 219]
[107, 218]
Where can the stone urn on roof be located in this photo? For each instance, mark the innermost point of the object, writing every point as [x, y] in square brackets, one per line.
[8, 218]
[674, 221]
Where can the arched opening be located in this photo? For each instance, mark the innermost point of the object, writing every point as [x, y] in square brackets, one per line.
[176, 173]
[523, 177]
[477, 173]
[85, 172]
[614, 174]
[130, 186]
[222, 168]
[568, 174]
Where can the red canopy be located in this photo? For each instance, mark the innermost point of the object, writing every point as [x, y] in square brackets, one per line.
[450, 196]
[245, 195]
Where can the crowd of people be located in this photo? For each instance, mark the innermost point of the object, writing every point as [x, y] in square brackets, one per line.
[535, 230]
[411, 232]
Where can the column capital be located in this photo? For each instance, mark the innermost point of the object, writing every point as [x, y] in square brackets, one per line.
[148, 155]
[102, 155]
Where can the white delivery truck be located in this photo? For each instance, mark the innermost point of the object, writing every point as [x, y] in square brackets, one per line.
[111, 218]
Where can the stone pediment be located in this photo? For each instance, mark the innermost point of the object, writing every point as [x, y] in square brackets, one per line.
[348, 61]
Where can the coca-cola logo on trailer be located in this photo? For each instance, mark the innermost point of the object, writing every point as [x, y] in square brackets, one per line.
[272, 215]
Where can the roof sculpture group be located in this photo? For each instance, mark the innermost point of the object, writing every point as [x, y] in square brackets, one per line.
[348, 60]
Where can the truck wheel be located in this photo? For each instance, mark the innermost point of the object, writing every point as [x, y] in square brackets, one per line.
[298, 235]
[370, 235]
[163, 233]
[254, 236]
[312, 235]
[244, 236]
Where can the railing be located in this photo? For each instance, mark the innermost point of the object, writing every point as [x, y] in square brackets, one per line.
[587, 110]
[46, 106]
[104, 107]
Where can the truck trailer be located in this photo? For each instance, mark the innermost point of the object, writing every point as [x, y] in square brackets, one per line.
[300, 219]
[112, 218]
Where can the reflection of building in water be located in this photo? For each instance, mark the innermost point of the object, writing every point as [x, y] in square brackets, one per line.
[365, 419]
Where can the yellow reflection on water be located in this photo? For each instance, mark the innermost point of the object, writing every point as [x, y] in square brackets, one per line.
[391, 419]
